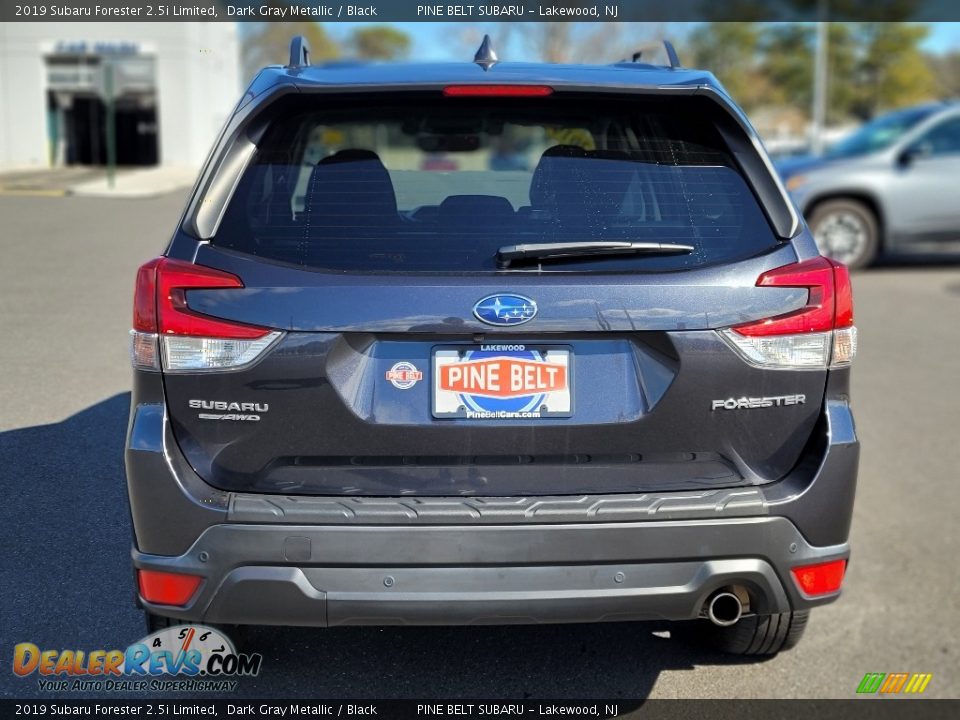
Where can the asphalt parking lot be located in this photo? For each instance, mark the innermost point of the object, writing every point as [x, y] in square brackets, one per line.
[66, 277]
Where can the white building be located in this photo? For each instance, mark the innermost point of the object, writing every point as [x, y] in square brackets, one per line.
[173, 85]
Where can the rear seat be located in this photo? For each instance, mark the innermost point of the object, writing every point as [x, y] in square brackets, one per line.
[349, 192]
[582, 191]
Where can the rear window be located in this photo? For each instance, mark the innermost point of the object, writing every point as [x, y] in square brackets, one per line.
[421, 183]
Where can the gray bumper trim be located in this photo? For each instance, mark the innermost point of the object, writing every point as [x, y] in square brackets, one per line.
[341, 574]
[493, 510]
[461, 596]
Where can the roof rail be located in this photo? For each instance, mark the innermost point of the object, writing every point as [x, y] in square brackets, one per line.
[299, 52]
[666, 45]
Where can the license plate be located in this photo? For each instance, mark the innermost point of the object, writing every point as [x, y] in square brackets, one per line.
[502, 381]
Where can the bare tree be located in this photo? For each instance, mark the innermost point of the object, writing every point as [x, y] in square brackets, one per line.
[379, 42]
[561, 42]
[268, 44]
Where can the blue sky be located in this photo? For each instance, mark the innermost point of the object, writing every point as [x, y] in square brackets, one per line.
[445, 41]
[944, 36]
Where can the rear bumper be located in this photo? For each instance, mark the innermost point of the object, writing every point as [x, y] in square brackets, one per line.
[274, 560]
[349, 575]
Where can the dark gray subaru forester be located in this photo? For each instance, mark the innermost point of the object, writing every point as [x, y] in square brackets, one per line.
[491, 343]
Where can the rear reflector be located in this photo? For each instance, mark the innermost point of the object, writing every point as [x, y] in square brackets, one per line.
[818, 335]
[497, 91]
[820, 579]
[189, 341]
[167, 588]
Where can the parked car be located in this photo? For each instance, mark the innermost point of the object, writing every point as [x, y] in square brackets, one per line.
[612, 387]
[890, 186]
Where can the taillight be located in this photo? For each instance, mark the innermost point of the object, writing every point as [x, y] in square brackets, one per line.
[190, 341]
[167, 588]
[145, 298]
[497, 90]
[821, 578]
[144, 347]
[820, 334]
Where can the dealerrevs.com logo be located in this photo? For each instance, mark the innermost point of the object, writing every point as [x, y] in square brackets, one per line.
[183, 657]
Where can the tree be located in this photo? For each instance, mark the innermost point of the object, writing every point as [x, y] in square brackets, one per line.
[380, 42]
[842, 68]
[585, 42]
[269, 44]
[872, 66]
[892, 71]
[731, 51]
[788, 51]
[946, 73]
[552, 42]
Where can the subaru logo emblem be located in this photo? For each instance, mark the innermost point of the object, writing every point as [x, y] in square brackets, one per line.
[505, 309]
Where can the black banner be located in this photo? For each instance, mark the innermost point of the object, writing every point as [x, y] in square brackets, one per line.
[506, 11]
[874, 709]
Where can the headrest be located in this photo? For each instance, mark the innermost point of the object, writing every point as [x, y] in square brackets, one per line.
[349, 155]
[351, 188]
[479, 208]
[539, 191]
[582, 187]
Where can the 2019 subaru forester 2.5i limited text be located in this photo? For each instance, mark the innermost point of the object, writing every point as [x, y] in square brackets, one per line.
[461, 343]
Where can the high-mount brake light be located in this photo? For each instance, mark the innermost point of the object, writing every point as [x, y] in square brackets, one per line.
[821, 334]
[497, 90]
[190, 341]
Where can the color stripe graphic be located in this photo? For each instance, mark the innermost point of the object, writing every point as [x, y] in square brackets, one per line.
[893, 683]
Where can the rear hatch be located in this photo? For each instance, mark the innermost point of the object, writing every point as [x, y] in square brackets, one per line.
[492, 296]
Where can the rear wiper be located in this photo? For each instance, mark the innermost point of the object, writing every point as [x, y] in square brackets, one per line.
[559, 250]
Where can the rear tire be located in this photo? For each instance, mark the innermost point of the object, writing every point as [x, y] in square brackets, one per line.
[754, 635]
[160, 622]
[846, 231]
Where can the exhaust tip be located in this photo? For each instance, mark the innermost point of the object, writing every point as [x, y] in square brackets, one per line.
[724, 608]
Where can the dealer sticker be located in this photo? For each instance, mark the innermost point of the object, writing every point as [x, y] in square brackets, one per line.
[404, 375]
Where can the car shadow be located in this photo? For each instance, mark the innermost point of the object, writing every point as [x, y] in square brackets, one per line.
[68, 584]
[609, 660]
[916, 261]
[67, 536]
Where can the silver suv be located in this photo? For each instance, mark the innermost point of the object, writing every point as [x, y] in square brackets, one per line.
[891, 186]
